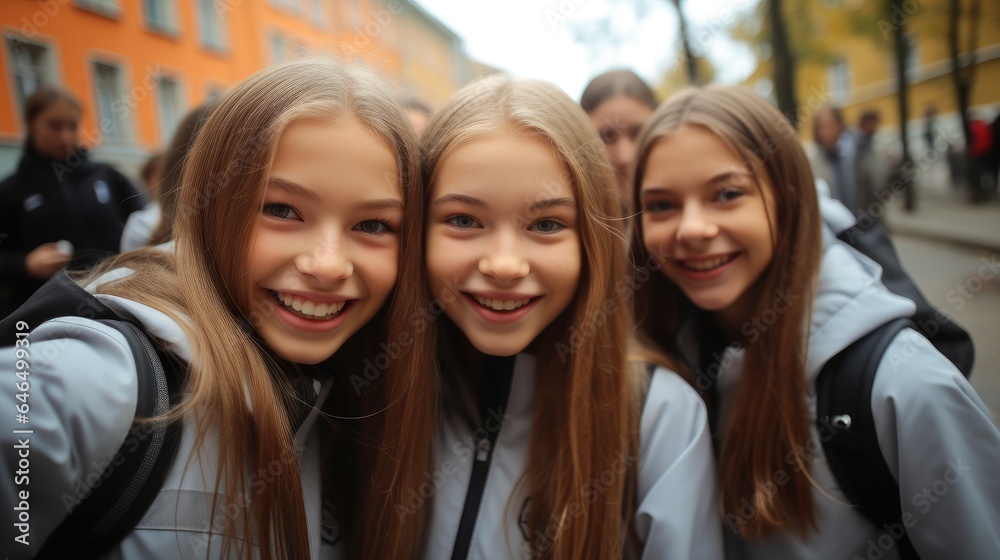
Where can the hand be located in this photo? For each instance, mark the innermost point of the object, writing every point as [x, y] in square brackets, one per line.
[45, 260]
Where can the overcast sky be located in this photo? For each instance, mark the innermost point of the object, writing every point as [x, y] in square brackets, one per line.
[536, 38]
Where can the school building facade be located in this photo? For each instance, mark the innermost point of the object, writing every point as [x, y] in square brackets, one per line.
[138, 66]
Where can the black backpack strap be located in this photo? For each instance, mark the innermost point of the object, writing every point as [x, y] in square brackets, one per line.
[847, 430]
[871, 238]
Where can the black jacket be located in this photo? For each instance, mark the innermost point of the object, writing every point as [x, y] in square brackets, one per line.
[78, 200]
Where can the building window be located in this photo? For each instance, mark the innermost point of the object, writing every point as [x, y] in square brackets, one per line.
[109, 8]
[839, 81]
[316, 13]
[113, 110]
[355, 15]
[160, 15]
[169, 106]
[290, 5]
[210, 29]
[31, 67]
[278, 48]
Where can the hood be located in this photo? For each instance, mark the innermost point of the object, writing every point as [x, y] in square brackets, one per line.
[155, 322]
[851, 300]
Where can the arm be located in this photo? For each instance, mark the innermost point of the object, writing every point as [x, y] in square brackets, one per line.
[939, 441]
[11, 258]
[677, 514]
[127, 196]
[82, 392]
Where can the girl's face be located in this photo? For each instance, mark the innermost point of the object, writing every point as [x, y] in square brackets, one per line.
[503, 245]
[325, 249]
[618, 120]
[706, 222]
[54, 130]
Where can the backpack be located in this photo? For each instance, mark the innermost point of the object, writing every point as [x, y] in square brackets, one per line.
[844, 389]
[131, 481]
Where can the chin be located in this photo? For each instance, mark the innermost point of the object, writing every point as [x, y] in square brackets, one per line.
[499, 349]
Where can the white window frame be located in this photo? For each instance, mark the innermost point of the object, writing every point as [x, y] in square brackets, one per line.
[838, 76]
[167, 116]
[46, 69]
[169, 24]
[211, 34]
[108, 8]
[119, 105]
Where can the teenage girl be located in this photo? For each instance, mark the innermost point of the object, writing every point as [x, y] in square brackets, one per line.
[618, 102]
[759, 295]
[286, 245]
[545, 443]
[57, 194]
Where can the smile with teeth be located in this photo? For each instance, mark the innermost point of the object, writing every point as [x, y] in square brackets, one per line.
[306, 309]
[703, 265]
[501, 305]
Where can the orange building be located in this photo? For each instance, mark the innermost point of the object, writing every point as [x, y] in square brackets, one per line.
[139, 65]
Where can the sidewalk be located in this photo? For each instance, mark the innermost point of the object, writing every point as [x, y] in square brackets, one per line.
[948, 216]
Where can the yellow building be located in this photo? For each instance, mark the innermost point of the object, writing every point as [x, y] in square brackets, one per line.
[138, 66]
[856, 67]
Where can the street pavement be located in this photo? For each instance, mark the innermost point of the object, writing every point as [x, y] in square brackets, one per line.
[952, 249]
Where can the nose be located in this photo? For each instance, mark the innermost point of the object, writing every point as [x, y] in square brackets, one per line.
[327, 262]
[696, 226]
[505, 263]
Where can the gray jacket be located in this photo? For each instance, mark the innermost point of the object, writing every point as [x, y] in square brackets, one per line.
[676, 514]
[935, 433]
[82, 397]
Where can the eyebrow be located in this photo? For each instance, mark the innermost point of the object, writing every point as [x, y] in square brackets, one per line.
[549, 203]
[380, 204]
[294, 189]
[461, 198]
[718, 178]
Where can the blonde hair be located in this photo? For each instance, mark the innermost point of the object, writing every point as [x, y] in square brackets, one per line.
[769, 422]
[236, 384]
[585, 402]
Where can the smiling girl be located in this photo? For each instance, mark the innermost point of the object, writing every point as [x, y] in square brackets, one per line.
[286, 246]
[759, 295]
[542, 444]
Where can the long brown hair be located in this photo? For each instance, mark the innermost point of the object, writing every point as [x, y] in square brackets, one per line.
[234, 382]
[584, 395]
[168, 189]
[769, 424]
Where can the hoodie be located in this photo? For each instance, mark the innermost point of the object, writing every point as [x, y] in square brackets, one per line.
[934, 431]
[82, 396]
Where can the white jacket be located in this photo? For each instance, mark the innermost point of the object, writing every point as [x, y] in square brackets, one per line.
[83, 392]
[676, 516]
[934, 431]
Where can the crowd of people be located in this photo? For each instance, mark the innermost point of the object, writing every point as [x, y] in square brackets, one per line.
[518, 326]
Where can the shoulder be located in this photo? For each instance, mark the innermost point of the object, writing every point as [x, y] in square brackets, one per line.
[674, 417]
[80, 388]
[921, 401]
[86, 365]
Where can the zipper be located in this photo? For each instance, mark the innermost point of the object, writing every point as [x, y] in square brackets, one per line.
[498, 374]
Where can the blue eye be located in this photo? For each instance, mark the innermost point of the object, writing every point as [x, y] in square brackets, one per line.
[546, 226]
[374, 227]
[463, 222]
[281, 211]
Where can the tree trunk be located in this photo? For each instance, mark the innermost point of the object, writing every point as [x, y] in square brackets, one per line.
[962, 73]
[689, 60]
[783, 63]
[908, 173]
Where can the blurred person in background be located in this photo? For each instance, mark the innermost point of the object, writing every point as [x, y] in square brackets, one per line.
[141, 223]
[153, 224]
[618, 102]
[57, 195]
[870, 170]
[833, 155]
